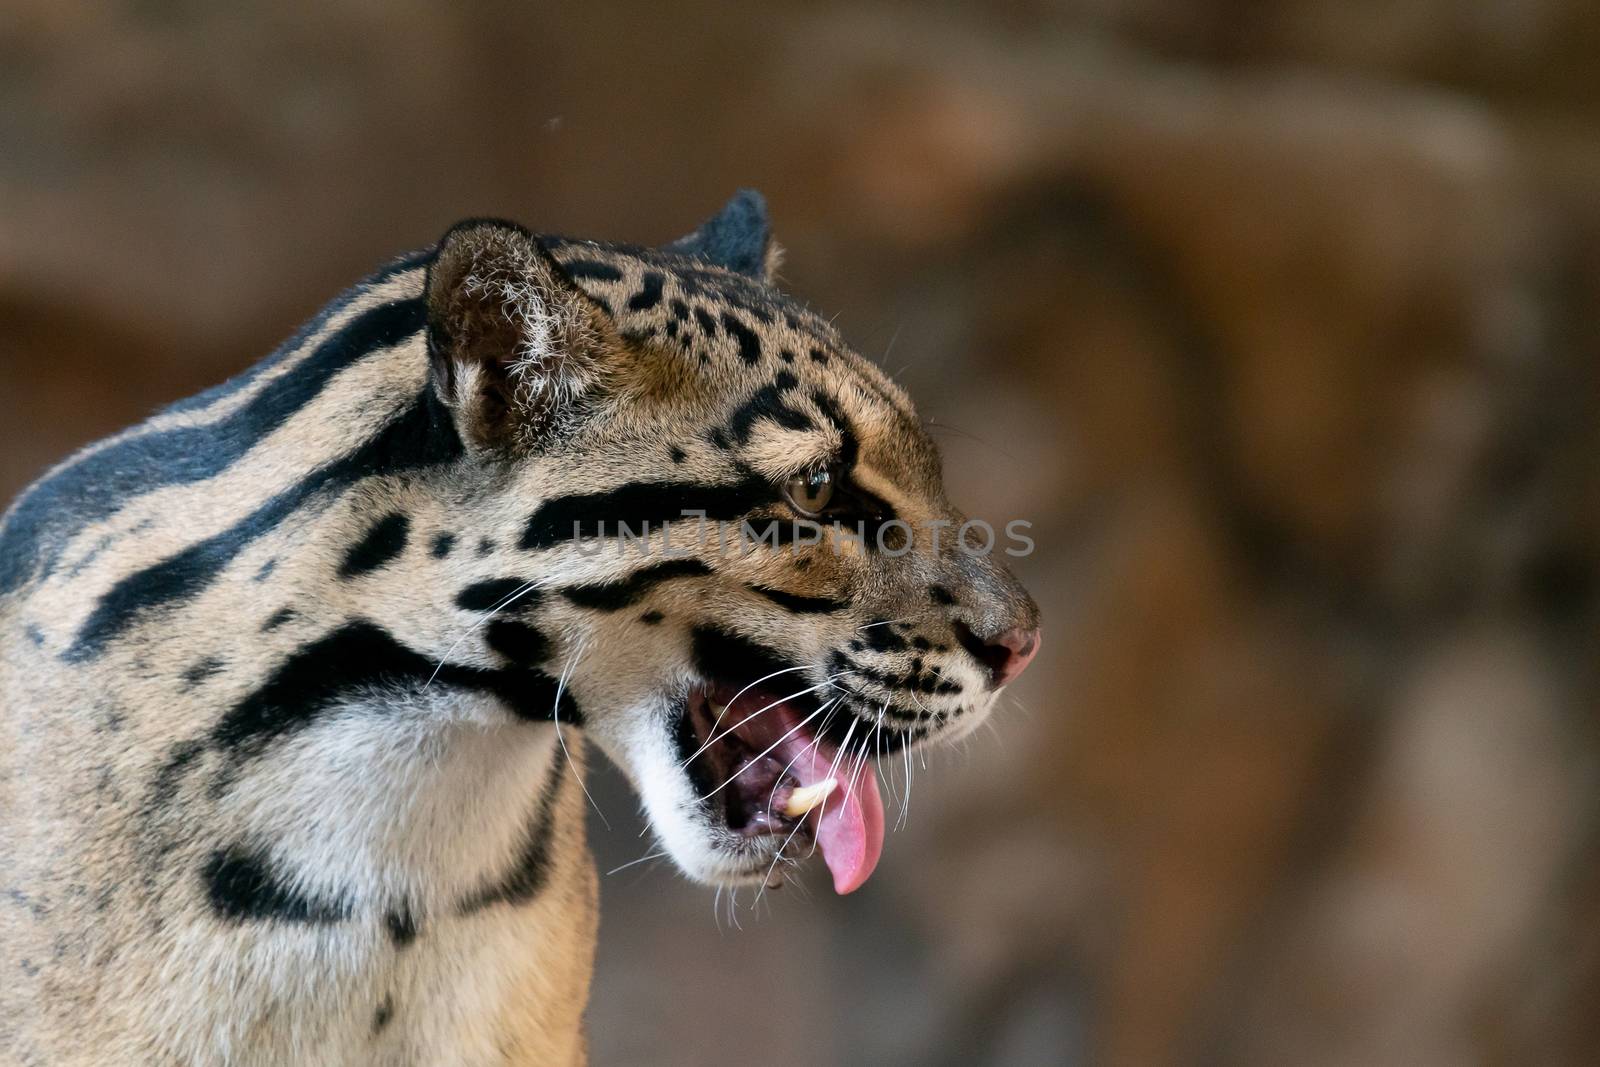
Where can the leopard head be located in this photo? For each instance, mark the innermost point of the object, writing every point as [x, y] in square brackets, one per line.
[741, 563]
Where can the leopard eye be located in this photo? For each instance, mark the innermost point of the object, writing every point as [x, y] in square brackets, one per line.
[810, 493]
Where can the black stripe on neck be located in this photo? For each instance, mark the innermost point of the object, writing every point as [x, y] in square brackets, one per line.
[421, 436]
[101, 483]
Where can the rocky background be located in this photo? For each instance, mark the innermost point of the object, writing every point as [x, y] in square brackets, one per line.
[1278, 321]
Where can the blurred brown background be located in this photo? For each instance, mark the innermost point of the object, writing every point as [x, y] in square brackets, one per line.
[1279, 321]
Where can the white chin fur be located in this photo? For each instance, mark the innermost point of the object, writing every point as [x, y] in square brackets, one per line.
[669, 798]
[670, 802]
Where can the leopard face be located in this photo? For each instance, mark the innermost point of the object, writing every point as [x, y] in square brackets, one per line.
[762, 588]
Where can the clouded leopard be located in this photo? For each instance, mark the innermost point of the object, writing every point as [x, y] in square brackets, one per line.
[299, 677]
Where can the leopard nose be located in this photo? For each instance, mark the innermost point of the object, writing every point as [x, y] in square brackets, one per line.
[1005, 655]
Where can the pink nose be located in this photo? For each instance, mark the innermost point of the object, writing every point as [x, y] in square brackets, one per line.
[1006, 654]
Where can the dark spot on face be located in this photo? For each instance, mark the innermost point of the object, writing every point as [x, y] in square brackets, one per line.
[912, 681]
[676, 454]
[768, 403]
[798, 604]
[940, 595]
[921, 644]
[637, 505]
[35, 635]
[649, 296]
[680, 310]
[442, 544]
[486, 546]
[382, 543]
[708, 325]
[786, 355]
[277, 619]
[266, 569]
[497, 594]
[749, 343]
[651, 618]
[849, 447]
[385, 1012]
[818, 356]
[883, 639]
[614, 596]
[402, 927]
[199, 672]
[518, 642]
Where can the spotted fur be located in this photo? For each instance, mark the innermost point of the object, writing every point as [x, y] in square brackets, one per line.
[298, 678]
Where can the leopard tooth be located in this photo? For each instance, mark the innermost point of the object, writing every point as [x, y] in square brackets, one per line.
[804, 799]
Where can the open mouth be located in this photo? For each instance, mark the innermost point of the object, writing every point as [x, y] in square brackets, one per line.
[763, 767]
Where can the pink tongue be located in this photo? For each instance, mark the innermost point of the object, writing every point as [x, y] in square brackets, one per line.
[849, 824]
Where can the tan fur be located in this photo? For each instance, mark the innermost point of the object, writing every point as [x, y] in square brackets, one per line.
[114, 795]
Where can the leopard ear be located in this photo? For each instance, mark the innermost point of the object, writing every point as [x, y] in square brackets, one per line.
[514, 348]
[736, 238]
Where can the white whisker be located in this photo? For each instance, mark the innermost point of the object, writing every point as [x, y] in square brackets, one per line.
[653, 855]
[555, 715]
[736, 696]
[769, 748]
[861, 763]
[833, 768]
[752, 716]
[905, 801]
[888, 773]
